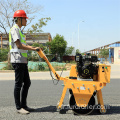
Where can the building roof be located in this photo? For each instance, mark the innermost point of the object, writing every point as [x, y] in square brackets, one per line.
[105, 46]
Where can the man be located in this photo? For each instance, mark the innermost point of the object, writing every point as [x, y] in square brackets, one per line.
[18, 51]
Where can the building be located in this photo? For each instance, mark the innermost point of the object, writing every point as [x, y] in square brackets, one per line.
[30, 39]
[114, 52]
[38, 38]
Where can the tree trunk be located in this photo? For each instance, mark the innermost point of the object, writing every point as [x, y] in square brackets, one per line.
[9, 65]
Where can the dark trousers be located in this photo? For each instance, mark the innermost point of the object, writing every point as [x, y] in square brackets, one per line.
[22, 84]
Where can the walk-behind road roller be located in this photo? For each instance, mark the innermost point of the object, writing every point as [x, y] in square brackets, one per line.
[86, 80]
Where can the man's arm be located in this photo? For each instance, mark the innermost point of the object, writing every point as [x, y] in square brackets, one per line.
[25, 47]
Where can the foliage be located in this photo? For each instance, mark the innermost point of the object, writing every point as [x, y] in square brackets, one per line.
[36, 45]
[104, 53]
[82, 53]
[7, 9]
[37, 27]
[33, 56]
[41, 67]
[43, 47]
[29, 55]
[69, 50]
[4, 54]
[58, 45]
[77, 51]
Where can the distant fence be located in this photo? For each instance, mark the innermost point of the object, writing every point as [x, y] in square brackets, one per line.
[68, 58]
[103, 59]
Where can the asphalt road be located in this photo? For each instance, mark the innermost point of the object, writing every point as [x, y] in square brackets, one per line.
[43, 96]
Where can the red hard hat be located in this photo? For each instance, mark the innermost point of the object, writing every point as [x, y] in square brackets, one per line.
[20, 13]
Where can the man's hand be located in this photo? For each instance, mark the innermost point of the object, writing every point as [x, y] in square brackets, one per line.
[37, 49]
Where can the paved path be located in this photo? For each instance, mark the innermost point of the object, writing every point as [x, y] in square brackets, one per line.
[43, 96]
[33, 75]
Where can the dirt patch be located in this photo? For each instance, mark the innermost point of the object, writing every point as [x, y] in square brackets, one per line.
[68, 66]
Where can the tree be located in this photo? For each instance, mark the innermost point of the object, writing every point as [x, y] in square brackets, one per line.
[77, 51]
[58, 45]
[104, 53]
[69, 50]
[7, 9]
[44, 48]
[37, 28]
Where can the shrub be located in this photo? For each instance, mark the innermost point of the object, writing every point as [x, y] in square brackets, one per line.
[4, 54]
[41, 67]
[8, 67]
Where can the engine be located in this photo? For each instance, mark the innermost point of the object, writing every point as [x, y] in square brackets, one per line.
[86, 65]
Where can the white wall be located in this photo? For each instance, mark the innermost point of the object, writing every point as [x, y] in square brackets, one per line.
[117, 55]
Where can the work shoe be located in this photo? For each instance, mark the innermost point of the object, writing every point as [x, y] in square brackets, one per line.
[23, 111]
[29, 109]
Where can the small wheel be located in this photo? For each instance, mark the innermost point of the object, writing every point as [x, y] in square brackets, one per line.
[99, 110]
[102, 111]
[82, 110]
[58, 105]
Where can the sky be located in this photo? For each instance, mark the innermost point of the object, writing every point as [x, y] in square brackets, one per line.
[85, 24]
